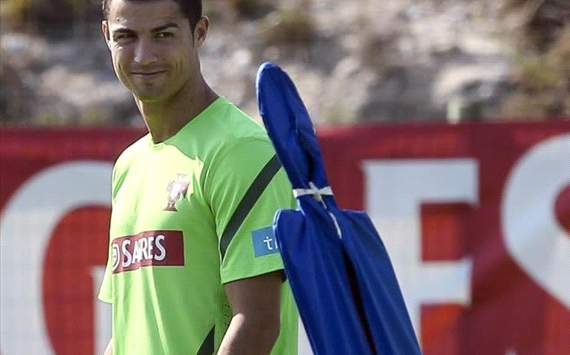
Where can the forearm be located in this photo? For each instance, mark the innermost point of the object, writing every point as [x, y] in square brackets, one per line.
[249, 337]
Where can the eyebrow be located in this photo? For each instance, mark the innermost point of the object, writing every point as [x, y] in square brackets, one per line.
[164, 27]
[122, 30]
[156, 29]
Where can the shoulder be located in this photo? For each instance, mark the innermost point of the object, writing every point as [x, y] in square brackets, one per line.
[132, 150]
[128, 155]
[242, 147]
[226, 137]
[230, 123]
[219, 129]
[237, 153]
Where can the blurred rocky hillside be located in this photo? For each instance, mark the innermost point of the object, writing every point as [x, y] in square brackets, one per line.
[353, 61]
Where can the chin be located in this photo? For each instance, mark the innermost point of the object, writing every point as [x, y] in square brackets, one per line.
[149, 98]
[146, 96]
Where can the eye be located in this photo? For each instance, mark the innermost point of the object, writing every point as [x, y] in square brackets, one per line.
[121, 37]
[161, 35]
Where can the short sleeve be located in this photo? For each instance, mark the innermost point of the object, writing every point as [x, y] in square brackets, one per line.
[105, 291]
[252, 249]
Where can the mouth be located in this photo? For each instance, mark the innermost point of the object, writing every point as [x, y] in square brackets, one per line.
[148, 74]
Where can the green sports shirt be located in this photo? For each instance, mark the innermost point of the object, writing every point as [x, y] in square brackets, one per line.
[183, 223]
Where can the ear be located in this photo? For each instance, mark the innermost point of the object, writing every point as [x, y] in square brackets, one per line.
[106, 34]
[201, 31]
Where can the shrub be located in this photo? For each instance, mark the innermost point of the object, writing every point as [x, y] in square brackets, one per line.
[33, 14]
[250, 8]
[543, 82]
[289, 26]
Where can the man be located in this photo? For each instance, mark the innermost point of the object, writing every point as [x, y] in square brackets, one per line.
[193, 267]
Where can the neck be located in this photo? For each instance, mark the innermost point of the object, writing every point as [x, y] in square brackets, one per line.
[165, 118]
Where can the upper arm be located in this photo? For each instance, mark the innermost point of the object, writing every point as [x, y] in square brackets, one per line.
[257, 298]
[256, 323]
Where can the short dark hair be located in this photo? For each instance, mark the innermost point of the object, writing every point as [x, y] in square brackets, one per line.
[192, 9]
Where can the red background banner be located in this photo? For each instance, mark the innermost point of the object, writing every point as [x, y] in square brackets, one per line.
[506, 309]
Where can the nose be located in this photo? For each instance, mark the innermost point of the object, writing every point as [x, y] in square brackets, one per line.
[144, 52]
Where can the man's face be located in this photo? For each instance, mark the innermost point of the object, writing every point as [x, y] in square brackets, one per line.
[153, 48]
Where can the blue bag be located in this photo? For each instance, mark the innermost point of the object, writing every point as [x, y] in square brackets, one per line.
[340, 273]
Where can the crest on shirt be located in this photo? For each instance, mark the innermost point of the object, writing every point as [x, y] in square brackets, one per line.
[176, 189]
